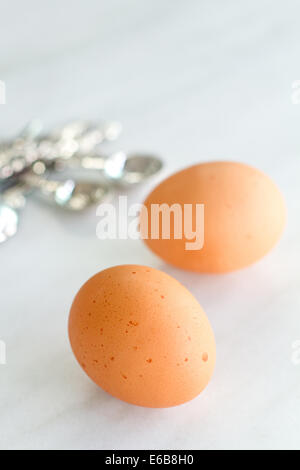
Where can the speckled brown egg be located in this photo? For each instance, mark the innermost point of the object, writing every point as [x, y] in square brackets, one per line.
[244, 216]
[142, 336]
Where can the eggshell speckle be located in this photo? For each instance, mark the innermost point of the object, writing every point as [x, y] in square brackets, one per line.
[244, 216]
[142, 336]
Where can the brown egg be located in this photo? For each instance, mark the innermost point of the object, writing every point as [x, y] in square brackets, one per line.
[244, 215]
[142, 337]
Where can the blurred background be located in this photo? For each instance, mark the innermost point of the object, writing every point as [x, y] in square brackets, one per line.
[190, 81]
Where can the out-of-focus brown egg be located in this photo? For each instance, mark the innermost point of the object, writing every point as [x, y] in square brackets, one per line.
[142, 336]
[244, 216]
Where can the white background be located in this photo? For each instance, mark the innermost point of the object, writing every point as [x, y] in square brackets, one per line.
[191, 81]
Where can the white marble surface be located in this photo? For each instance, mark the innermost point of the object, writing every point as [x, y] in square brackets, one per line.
[194, 81]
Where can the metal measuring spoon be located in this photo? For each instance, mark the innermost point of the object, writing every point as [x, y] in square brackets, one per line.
[69, 194]
[9, 220]
[119, 168]
[128, 170]
[12, 200]
[77, 196]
